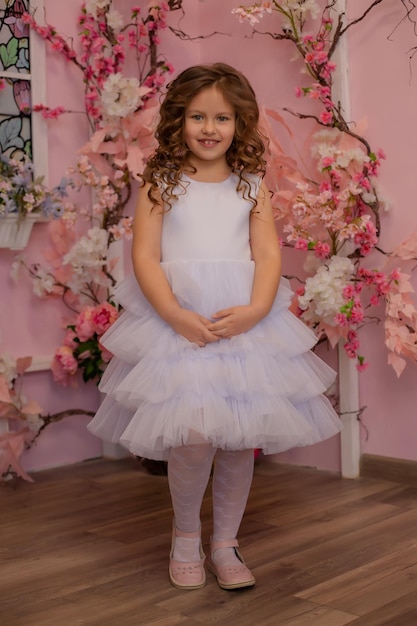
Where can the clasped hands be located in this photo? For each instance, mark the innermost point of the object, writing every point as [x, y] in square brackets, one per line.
[222, 325]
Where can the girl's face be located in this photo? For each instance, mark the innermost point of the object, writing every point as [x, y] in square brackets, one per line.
[209, 126]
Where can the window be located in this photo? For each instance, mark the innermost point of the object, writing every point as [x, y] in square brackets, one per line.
[22, 66]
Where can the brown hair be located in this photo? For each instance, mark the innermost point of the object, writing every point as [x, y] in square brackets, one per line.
[245, 155]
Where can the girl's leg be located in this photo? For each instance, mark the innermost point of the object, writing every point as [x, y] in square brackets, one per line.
[189, 470]
[232, 479]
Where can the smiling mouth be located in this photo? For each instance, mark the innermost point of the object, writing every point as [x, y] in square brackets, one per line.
[208, 142]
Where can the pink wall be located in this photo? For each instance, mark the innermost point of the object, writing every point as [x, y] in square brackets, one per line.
[384, 89]
[28, 325]
[379, 69]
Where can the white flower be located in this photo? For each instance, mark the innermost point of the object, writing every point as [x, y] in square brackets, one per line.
[43, 283]
[120, 96]
[34, 421]
[302, 7]
[114, 19]
[93, 6]
[346, 157]
[368, 197]
[90, 251]
[323, 296]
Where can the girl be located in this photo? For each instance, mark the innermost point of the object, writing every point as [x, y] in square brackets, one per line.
[208, 361]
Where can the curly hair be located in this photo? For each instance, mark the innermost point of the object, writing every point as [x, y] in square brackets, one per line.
[245, 155]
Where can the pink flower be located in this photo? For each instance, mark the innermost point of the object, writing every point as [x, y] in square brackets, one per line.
[395, 274]
[322, 250]
[341, 319]
[85, 327]
[362, 366]
[316, 57]
[49, 113]
[103, 316]
[357, 314]
[327, 69]
[301, 244]
[352, 344]
[63, 365]
[327, 161]
[325, 186]
[58, 45]
[366, 238]
[348, 292]
[27, 19]
[326, 117]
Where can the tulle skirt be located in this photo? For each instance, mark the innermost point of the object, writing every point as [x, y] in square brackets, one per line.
[261, 389]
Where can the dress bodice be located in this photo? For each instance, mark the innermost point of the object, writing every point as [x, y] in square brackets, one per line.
[209, 221]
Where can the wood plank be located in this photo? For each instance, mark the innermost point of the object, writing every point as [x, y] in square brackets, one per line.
[88, 545]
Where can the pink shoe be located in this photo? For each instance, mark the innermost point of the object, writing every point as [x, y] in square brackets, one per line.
[230, 576]
[188, 575]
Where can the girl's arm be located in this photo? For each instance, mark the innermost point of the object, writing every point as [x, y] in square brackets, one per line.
[146, 258]
[266, 254]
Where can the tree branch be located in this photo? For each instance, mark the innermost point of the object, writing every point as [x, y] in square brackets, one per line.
[184, 37]
[56, 417]
[359, 19]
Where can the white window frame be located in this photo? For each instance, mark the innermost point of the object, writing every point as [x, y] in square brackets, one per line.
[39, 130]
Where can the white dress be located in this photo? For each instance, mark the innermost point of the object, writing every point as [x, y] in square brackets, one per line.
[261, 389]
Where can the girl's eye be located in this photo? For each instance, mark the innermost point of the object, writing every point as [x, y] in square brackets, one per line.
[223, 118]
[196, 117]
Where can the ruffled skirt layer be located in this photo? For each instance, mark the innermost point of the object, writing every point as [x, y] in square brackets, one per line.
[261, 389]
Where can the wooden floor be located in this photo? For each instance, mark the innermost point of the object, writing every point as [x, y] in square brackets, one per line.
[88, 545]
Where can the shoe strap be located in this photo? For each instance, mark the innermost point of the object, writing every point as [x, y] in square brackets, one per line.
[179, 533]
[229, 543]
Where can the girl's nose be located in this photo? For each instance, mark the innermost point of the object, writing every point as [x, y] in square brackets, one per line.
[208, 127]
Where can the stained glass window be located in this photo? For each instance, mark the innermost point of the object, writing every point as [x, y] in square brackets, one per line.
[15, 118]
[20, 131]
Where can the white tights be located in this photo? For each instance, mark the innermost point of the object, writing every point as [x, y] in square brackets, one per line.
[189, 470]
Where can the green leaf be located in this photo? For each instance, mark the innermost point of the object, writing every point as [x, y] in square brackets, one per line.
[28, 148]
[9, 53]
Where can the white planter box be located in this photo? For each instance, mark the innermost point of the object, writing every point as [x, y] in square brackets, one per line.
[14, 234]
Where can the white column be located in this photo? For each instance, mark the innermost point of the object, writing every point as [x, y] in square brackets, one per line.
[348, 374]
[116, 250]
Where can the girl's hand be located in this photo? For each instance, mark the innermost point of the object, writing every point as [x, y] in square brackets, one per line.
[193, 327]
[234, 321]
